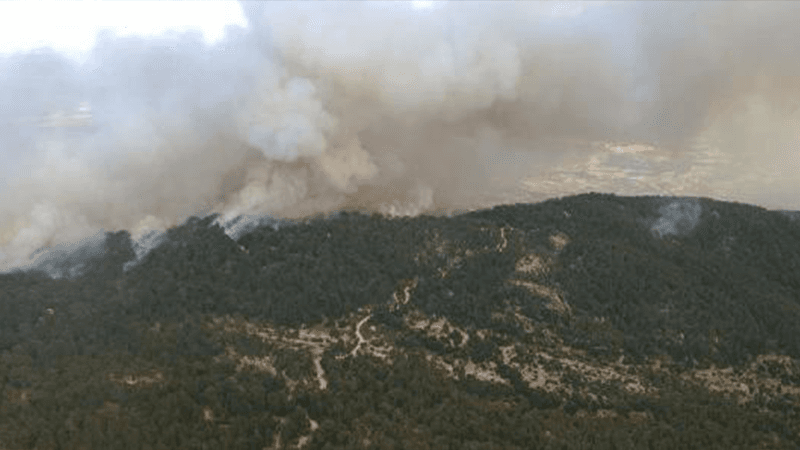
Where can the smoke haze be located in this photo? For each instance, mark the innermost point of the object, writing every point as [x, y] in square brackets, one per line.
[321, 106]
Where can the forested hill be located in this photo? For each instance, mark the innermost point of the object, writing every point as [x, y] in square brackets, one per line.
[590, 321]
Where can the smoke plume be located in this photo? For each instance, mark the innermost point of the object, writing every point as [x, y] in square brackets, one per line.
[322, 106]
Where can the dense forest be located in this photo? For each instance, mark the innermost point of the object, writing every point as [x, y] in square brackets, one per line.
[589, 321]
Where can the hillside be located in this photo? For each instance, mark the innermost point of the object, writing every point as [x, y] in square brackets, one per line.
[589, 321]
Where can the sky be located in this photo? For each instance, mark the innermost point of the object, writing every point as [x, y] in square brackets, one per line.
[292, 109]
[70, 27]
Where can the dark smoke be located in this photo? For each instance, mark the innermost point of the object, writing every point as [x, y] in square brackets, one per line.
[322, 106]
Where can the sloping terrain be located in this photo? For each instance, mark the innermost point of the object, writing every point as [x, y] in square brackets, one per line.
[590, 321]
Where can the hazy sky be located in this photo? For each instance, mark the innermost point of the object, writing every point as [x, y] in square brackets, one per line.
[70, 27]
[295, 108]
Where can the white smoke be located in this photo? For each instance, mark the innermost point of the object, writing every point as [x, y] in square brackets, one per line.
[320, 106]
[677, 218]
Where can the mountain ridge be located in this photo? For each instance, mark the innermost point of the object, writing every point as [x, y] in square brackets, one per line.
[672, 319]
